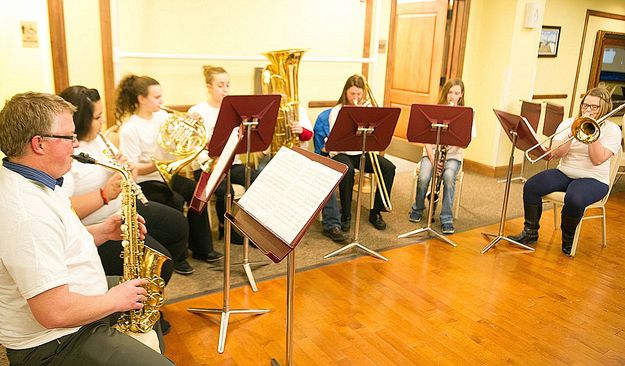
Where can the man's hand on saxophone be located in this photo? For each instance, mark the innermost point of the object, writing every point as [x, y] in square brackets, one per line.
[128, 295]
[110, 229]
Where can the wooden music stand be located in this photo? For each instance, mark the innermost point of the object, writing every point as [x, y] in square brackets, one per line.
[267, 236]
[361, 129]
[439, 125]
[257, 114]
[523, 137]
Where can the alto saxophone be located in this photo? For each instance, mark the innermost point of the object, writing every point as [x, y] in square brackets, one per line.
[110, 153]
[140, 261]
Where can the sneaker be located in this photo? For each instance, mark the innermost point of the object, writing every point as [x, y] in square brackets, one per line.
[212, 256]
[415, 217]
[336, 234]
[448, 228]
[183, 267]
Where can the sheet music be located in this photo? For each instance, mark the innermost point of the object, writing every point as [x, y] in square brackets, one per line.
[287, 192]
[226, 155]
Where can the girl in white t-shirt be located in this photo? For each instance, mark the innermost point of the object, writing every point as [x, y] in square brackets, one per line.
[583, 172]
[218, 87]
[139, 100]
[95, 191]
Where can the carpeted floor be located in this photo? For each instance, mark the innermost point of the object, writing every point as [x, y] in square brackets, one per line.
[480, 205]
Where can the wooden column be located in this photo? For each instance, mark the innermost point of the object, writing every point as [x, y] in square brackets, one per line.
[107, 61]
[58, 45]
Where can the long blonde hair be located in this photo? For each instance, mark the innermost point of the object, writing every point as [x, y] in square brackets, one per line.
[442, 98]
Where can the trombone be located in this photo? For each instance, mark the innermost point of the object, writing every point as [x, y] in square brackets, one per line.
[375, 163]
[584, 129]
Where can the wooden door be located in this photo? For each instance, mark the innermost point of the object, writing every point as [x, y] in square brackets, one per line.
[415, 58]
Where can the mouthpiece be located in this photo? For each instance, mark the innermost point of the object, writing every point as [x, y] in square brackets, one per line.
[84, 158]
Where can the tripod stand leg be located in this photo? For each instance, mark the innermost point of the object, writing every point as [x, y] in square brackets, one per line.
[372, 252]
[500, 238]
[340, 250]
[223, 330]
[225, 310]
[250, 276]
[355, 243]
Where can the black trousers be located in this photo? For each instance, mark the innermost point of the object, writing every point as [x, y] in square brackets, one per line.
[93, 344]
[110, 256]
[237, 176]
[168, 233]
[200, 237]
[346, 186]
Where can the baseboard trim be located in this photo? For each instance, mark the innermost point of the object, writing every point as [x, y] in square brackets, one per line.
[489, 170]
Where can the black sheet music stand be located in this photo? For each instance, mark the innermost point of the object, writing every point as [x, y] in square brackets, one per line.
[439, 125]
[531, 111]
[277, 248]
[361, 129]
[257, 114]
[523, 137]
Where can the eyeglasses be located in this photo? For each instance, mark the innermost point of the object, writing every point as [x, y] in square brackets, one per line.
[593, 107]
[72, 137]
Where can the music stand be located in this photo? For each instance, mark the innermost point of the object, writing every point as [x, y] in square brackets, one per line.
[252, 111]
[439, 125]
[270, 239]
[257, 114]
[361, 129]
[531, 111]
[523, 137]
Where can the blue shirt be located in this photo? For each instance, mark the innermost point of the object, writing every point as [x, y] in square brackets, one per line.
[321, 131]
[33, 174]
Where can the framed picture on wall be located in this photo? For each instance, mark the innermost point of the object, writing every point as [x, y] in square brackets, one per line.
[549, 40]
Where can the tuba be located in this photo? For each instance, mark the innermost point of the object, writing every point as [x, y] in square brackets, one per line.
[280, 77]
[181, 136]
[140, 261]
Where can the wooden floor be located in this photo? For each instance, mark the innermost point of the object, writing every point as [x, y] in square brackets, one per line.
[432, 304]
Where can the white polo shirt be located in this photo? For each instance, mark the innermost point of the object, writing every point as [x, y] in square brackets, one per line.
[43, 245]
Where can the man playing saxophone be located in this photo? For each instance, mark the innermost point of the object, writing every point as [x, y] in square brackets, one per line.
[54, 300]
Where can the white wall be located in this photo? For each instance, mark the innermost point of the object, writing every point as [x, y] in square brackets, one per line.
[24, 69]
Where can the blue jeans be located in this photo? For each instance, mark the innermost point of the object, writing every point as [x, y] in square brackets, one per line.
[449, 187]
[330, 215]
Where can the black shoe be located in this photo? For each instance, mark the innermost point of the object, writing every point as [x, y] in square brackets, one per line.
[375, 218]
[346, 222]
[210, 257]
[165, 326]
[526, 237]
[335, 234]
[183, 267]
[531, 225]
